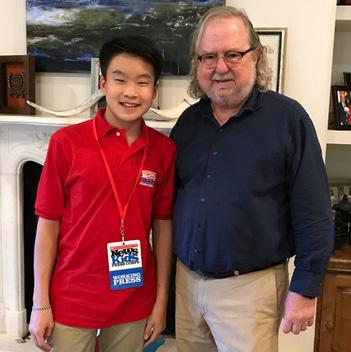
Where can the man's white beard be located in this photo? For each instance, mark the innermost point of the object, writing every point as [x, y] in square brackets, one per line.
[234, 100]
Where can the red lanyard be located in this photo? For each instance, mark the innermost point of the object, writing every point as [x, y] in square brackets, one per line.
[122, 210]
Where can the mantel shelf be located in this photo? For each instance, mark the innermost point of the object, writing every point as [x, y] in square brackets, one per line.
[338, 137]
[38, 120]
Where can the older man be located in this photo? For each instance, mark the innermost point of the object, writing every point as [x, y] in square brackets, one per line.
[252, 192]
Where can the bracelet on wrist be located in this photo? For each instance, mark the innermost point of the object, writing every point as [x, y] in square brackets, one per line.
[41, 308]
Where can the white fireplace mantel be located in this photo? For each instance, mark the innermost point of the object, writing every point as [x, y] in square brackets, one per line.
[22, 139]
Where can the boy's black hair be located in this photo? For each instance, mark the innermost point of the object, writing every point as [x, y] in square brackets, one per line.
[139, 46]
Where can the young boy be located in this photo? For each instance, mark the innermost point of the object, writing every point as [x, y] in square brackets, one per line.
[105, 183]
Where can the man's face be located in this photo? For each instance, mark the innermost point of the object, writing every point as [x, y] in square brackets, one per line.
[129, 87]
[226, 86]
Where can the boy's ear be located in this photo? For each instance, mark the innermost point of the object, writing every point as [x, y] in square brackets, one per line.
[102, 83]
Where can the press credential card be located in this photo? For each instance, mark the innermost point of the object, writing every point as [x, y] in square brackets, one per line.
[125, 265]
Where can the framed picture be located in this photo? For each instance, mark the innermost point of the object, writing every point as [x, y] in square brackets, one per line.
[341, 97]
[65, 35]
[273, 40]
[17, 84]
[347, 80]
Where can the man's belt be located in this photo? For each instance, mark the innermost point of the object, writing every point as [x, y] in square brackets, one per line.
[235, 272]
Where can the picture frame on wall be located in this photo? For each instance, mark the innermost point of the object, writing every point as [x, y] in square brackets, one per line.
[347, 80]
[17, 84]
[341, 98]
[274, 41]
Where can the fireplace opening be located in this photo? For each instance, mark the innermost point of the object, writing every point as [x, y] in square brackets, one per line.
[30, 176]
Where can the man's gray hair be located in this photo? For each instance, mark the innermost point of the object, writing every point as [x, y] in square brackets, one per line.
[264, 72]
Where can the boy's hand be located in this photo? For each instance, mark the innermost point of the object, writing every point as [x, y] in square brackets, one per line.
[155, 324]
[40, 327]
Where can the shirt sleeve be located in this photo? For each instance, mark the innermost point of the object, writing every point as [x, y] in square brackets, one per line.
[51, 194]
[163, 200]
[310, 207]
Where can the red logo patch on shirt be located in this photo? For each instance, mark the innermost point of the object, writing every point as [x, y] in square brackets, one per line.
[148, 178]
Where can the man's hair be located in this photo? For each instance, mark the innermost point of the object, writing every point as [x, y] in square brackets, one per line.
[264, 72]
[138, 46]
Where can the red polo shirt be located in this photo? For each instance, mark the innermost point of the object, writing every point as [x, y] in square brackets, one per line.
[74, 188]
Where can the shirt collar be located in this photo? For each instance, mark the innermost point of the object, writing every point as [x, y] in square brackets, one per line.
[104, 128]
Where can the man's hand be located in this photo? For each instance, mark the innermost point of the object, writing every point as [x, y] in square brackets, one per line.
[156, 323]
[40, 327]
[298, 313]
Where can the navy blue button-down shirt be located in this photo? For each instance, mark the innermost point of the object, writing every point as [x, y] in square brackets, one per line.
[252, 192]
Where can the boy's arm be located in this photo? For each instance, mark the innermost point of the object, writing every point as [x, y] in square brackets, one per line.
[45, 250]
[162, 246]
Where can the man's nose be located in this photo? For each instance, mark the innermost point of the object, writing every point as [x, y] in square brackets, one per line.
[221, 65]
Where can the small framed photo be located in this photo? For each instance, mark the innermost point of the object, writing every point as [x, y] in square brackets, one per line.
[17, 84]
[347, 80]
[273, 40]
[95, 73]
[341, 97]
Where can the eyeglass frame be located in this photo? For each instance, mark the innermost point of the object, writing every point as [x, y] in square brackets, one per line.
[241, 53]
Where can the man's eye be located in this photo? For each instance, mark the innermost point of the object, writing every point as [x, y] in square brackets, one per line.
[233, 55]
[209, 57]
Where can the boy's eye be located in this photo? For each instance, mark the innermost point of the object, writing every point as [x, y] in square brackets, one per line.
[143, 83]
[118, 80]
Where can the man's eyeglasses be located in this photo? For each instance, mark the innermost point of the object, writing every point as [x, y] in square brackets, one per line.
[231, 58]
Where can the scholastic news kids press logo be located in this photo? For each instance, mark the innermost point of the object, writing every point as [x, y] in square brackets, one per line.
[148, 178]
[122, 256]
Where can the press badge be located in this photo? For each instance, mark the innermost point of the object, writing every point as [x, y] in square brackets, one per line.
[124, 260]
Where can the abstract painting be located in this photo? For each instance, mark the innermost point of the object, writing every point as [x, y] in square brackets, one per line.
[64, 35]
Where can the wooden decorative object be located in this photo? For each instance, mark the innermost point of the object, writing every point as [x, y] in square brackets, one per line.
[17, 84]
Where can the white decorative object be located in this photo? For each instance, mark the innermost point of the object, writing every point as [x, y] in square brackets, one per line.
[153, 114]
[167, 114]
[72, 112]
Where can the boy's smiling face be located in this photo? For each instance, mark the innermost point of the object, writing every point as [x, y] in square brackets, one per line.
[130, 88]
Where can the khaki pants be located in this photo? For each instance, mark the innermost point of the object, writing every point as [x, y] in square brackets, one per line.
[120, 338]
[235, 314]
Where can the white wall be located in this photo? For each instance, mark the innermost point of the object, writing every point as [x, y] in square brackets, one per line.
[309, 49]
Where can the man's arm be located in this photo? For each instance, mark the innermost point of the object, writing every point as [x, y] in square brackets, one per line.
[162, 245]
[311, 220]
[45, 250]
